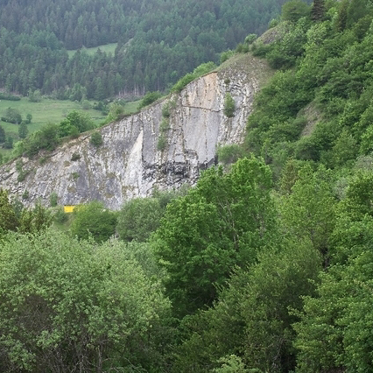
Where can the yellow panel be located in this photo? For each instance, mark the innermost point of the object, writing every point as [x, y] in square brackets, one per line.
[68, 209]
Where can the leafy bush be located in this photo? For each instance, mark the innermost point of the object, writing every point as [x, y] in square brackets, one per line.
[149, 98]
[96, 139]
[9, 97]
[12, 115]
[47, 138]
[93, 220]
[162, 142]
[60, 216]
[138, 218]
[200, 70]
[75, 157]
[75, 120]
[53, 199]
[229, 153]
[229, 105]
[182, 82]
[226, 56]
[34, 96]
[250, 38]
[166, 110]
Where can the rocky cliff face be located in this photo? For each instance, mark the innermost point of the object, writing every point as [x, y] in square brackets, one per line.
[130, 163]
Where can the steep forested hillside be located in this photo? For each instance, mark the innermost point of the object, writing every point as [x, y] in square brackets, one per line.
[158, 42]
[265, 265]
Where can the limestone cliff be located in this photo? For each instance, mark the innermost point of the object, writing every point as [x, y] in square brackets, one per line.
[129, 164]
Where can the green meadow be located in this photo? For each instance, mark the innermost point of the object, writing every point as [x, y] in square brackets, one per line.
[46, 111]
[49, 111]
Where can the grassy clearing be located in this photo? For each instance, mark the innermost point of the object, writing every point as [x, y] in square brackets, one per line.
[108, 48]
[46, 111]
[131, 107]
[49, 111]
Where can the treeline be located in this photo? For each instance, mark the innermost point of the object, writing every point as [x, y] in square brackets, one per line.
[158, 42]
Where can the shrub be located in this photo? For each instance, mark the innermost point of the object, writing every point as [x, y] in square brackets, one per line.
[93, 220]
[250, 38]
[75, 157]
[149, 98]
[229, 105]
[53, 199]
[138, 218]
[182, 82]
[166, 110]
[229, 154]
[162, 142]
[60, 216]
[226, 56]
[96, 139]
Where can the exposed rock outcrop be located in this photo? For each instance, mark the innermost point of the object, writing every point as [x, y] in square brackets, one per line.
[129, 164]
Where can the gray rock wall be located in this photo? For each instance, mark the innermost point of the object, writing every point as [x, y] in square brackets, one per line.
[128, 163]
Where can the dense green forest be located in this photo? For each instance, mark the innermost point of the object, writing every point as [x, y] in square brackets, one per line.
[265, 265]
[158, 42]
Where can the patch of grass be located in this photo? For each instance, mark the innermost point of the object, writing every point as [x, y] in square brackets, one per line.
[131, 107]
[107, 48]
[46, 111]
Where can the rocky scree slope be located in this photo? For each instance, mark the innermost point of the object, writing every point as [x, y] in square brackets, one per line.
[129, 163]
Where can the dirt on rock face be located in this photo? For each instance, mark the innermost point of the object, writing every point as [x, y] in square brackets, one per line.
[131, 163]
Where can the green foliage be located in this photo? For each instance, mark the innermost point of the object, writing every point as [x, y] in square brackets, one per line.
[34, 96]
[308, 211]
[96, 139]
[118, 47]
[166, 110]
[60, 216]
[22, 130]
[75, 157]
[149, 98]
[231, 364]
[75, 120]
[229, 153]
[202, 69]
[8, 218]
[183, 82]
[2, 135]
[293, 10]
[9, 97]
[53, 199]
[162, 142]
[138, 218]
[8, 144]
[229, 105]
[21, 173]
[35, 220]
[318, 10]
[116, 112]
[221, 223]
[47, 138]
[226, 55]
[68, 303]
[93, 220]
[250, 38]
[12, 115]
[253, 317]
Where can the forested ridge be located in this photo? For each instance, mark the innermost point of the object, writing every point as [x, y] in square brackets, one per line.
[264, 266]
[158, 42]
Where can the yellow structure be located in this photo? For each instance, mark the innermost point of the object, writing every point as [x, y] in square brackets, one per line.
[69, 208]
